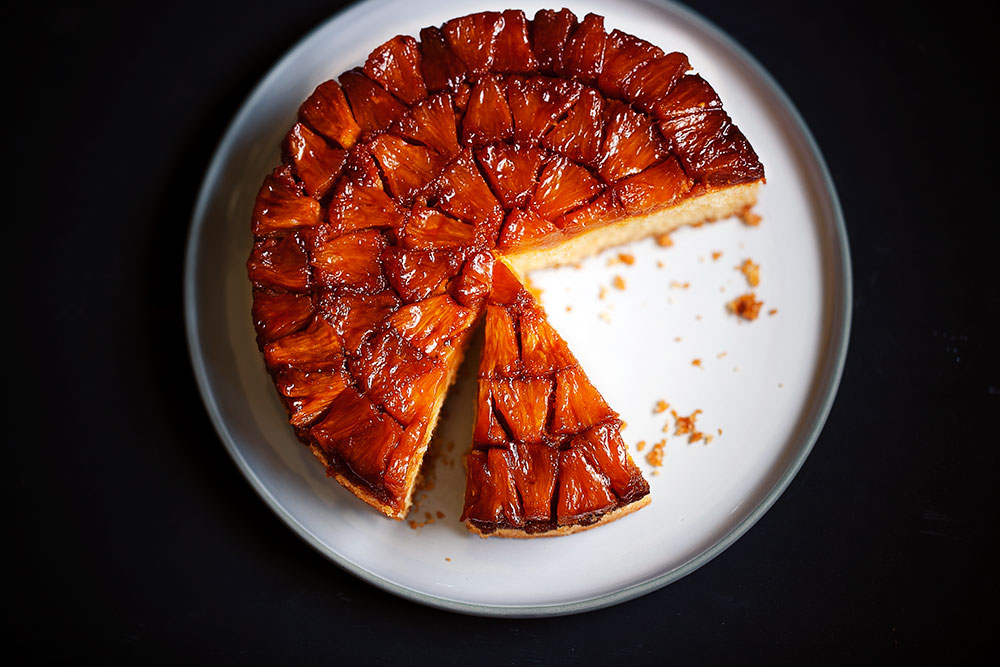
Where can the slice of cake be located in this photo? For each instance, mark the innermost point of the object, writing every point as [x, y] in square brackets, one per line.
[415, 190]
[547, 455]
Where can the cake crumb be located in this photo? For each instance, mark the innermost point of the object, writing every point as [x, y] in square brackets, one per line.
[750, 218]
[641, 445]
[531, 287]
[656, 454]
[440, 514]
[447, 559]
[618, 282]
[696, 362]
[677, 339]
[664, 240]
[751, 271]
[659, 264]
[773, 311]
[720, 355]
[622, 258]
[661, 406]
[716, 254]
[604, 317]
[746, 306]
[685, 425]
[680, 285]
[695, 437]
[569, 309]
[603, 292]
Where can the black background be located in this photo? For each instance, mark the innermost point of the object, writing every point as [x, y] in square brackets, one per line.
[135, 537]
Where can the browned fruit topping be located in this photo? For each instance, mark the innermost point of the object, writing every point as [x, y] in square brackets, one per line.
[281, 263]
[309, 393]
[396, 376]
[379, 242]
[416, 274]
[624, 54]
[432, 326]
[660, 185]
[355, 317]
[373, 106]
[396, 65]
[279, 314]
[441, 67]
[491, 496]
[583, 58]
[431, 122]
[525, 228]
[317, 163]
[512, 51]
[358, 436]
[359, 207]
[351, 260]
[282, 205]
[631, 143]
[583, 491]
[429, 229]
[473, 37]
[327, 112]
[543, 351]
[651, 82]
[407, 167]
[535, 468]
[523, 405]
[551, 30]
[578, 137]
[578, 405]
[472, 286]
[501, 353]
[488, 429]
[692, 94]
[511, 171]
[608, 453]
[537, 103]
[315, 347]
[563, 186]
[487, 116]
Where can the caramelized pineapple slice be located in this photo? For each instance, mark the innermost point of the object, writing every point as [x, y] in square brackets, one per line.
[328, 112]
[487, 116]
[584, 493]
[512, 51]
[431, 122]
[282, 205]
[396, 65]
[277, 314]
[317, 163]
[550, 30]
[442, 69]
[537, 103]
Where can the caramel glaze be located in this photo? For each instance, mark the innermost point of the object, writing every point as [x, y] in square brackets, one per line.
[376, 241]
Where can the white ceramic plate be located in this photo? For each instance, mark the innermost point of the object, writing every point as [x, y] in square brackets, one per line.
[764, 388]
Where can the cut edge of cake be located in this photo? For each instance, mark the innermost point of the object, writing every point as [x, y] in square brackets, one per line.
[714, 205]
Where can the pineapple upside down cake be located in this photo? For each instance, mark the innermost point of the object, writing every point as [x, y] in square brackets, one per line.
[415, 192]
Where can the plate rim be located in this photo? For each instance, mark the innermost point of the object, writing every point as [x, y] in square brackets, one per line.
[842, 313]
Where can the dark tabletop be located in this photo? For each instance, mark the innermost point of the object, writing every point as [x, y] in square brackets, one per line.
[135, 537]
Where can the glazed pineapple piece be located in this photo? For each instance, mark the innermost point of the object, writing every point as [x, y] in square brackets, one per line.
[547, 456]
[404, 180]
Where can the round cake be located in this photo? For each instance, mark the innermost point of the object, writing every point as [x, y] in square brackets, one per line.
[413, 196]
